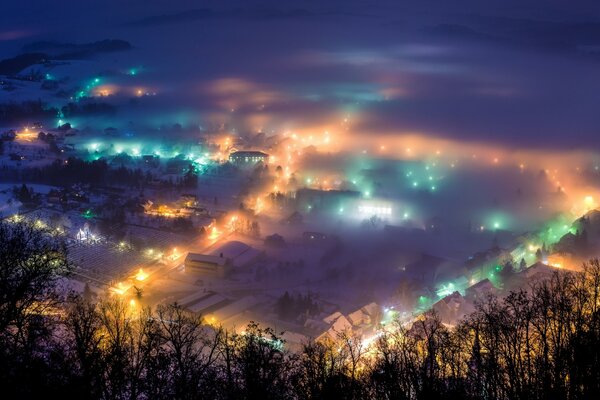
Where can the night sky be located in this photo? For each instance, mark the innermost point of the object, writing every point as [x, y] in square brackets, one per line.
[516, 73]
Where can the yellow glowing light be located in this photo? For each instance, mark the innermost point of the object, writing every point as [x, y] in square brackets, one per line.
[214, 233]
[141, 275]
[120, 288]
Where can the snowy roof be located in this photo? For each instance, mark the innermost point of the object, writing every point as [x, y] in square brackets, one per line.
[240, 254]
[248, 153]
[206, 258]
[231, 249]
[331, 318]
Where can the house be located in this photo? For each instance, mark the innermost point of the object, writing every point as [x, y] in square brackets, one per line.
[325, 200]
[450, 308]
[337, 324]
[539, 272]
[248, 157]
[481, 290]
[232, 312]
[207, 263]
[365, 318]
[237, 254]
[151, 160]
[366, 315]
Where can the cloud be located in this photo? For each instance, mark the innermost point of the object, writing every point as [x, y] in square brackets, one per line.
[260, 13]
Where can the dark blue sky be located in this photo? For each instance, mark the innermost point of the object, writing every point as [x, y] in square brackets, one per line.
[522, 73]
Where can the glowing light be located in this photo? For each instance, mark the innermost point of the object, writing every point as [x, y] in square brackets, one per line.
[141, 275]
[120, 288]
[214, 233]
[375, 210]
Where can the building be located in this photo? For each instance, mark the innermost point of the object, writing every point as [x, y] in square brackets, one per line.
[337, 324]
[451, 308]
[248, 157]
[326, 200]
[481, 290]
[539, 272]
[365, 318]
[214, 265]
[237, 254]
[311, 237]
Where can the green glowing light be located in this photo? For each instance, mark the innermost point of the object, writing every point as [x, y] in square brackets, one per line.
[87, 214]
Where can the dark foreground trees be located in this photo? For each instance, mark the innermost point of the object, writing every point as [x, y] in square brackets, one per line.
[31, 263]
[542, 343]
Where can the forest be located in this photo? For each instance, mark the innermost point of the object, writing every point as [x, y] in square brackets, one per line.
[538, 343]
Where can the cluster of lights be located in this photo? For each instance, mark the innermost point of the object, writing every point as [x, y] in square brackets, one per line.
[375, 210]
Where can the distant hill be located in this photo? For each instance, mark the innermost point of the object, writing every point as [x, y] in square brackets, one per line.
[42, 52]
[59, 50]
[12, 66]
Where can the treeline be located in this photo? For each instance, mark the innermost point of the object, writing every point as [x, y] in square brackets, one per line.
[30, 110]
[543, 343]
[36, 110]
[95, 173]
